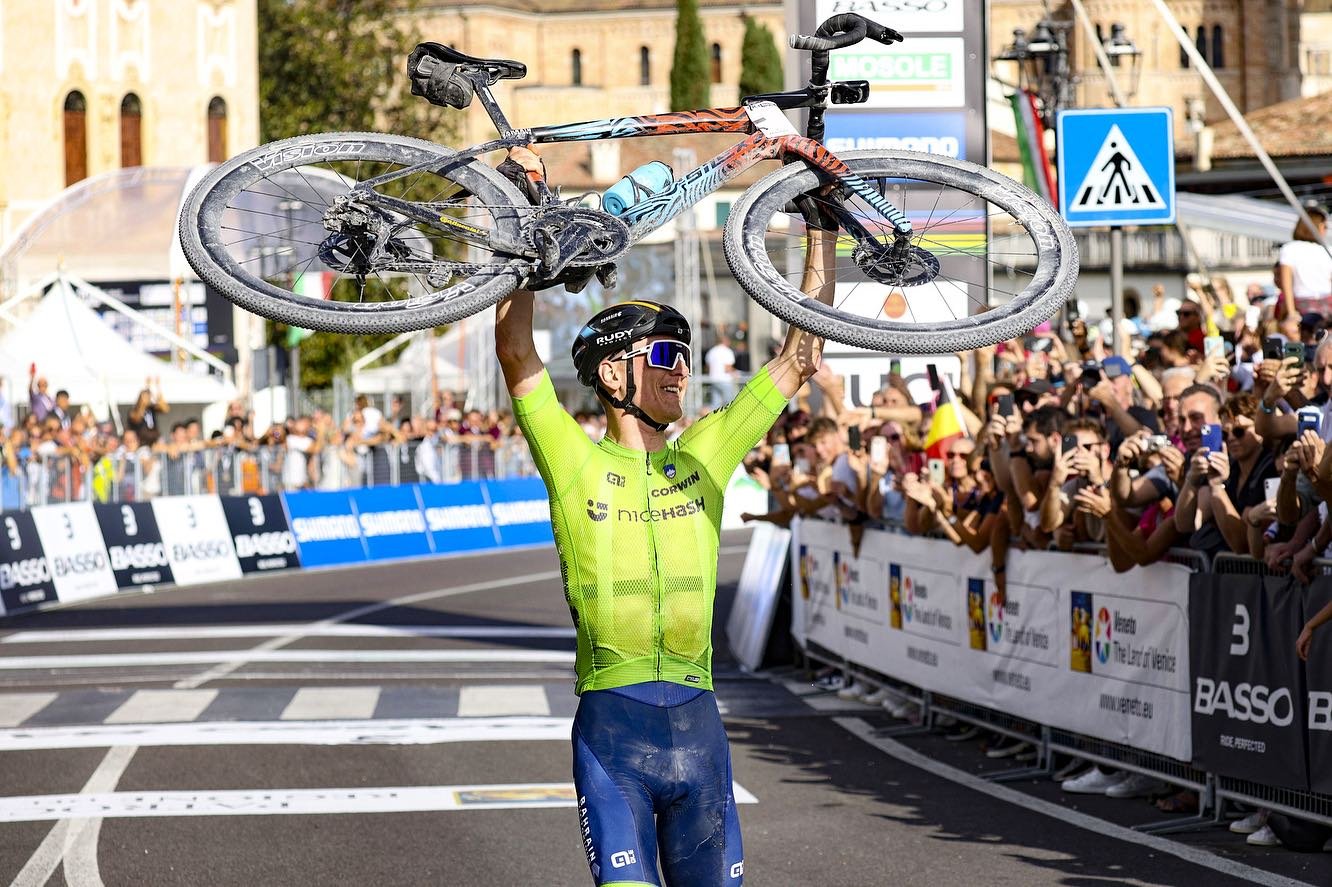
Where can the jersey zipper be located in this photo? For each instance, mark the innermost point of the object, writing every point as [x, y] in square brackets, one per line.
[656, 564]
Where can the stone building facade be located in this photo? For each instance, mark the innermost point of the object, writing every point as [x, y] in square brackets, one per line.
[89, 86]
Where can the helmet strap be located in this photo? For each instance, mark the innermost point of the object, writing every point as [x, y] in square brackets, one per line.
[627, 402]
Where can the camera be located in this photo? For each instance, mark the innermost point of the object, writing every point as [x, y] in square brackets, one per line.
[1155, 443]
[1091, 373]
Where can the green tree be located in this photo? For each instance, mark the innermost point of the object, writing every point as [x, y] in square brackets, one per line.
[760, 60]
[340, 65]
[690, 79]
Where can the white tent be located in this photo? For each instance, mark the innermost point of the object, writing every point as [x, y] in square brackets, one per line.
[411, 373]
[77, 351]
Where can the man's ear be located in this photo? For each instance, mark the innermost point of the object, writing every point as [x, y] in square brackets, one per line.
[609, 374]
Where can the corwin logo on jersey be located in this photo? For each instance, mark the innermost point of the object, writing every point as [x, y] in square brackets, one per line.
[601, 512]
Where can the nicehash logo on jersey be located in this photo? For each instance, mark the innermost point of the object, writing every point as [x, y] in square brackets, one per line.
[598, 511]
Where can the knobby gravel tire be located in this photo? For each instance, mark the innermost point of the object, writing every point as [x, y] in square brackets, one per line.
[204, 247]
[1052, 282]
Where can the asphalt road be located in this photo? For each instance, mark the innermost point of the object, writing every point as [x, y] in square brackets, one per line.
[408, 724]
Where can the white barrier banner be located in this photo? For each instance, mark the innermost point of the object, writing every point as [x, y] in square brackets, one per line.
[750, 621]
[75, 555]
[197, 539]
[1074, 646]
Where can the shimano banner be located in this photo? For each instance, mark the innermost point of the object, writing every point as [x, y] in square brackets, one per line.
[259, 531]
[391, 522]
[521, 511]
[325, 527]
[458, 516]
[1248, 694]
[134, 544]
[1074, 645]
[25, 576]
[1318, 672]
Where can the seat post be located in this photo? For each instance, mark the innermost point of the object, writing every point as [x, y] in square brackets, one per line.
[492, 108]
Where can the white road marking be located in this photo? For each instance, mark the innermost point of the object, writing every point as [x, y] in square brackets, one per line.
[403, 731]
[331, 704]
[115, 635]
[241, 657]
[1186, 852]
[502, 699]
[297, 802]
[66, 833]
[15, 708]
[226, 668]
[161, 706]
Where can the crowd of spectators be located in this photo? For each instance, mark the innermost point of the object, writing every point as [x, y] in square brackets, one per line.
[57, 452]
[1207, 431]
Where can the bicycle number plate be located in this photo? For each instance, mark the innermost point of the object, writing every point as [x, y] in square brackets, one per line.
[769, 120]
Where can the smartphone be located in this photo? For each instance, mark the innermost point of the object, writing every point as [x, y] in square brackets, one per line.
[781, 454]
[1272, 348]
[1211, 438]
[1069, 443]
[936, 469]
[1091, 374]
[802, 465]
[1309, 419]
[853, 438]
[1214, 344]
[1270, 487]
[933, 373]
[1005, 405]
[1295, 350]
[895, 367]
[878, 449]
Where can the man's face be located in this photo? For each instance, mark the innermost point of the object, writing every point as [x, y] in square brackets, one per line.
[1195, 411]
[1088, 442]
[1041, 447]
[62, 401]
[1190, 317]
[827, 446]
[658, 392]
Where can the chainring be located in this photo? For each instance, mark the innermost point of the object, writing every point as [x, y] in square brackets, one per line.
[599, 237]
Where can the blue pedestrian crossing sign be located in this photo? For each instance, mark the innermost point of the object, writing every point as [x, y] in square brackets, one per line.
[1116, 166]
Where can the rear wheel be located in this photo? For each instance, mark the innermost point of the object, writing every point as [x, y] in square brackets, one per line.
[988, 260]
[280, 232]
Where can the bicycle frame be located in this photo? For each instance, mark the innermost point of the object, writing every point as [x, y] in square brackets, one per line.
[645, 217]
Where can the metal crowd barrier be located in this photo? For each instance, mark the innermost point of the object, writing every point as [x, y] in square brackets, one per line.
[1214, 790]
[145, 474]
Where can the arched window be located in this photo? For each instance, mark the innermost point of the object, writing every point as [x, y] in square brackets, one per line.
[131, 131]
[217, 130]
[1200, 41]
[576, 67]
[716, 62]
[1184, 60]
[1218, 47]
[644, 66]
[76, 138]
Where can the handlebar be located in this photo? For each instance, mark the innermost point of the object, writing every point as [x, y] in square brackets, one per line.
[838, 32]
[841, 31]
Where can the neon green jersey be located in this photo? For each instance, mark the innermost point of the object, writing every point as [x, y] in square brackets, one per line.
[637, 534]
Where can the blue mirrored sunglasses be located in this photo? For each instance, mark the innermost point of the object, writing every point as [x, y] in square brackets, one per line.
[662, 354]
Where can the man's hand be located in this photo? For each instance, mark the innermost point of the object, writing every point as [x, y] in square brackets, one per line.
[1197, 475]
[819, 208]
[1104, 393]
[1287, 378]
[1063, 467]
[1218, 469]
[1094, 501]
[1276, 555]
[519, 166]
[1301, 565]
[1304, 642]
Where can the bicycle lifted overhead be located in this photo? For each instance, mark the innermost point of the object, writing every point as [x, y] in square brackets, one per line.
[941, 255]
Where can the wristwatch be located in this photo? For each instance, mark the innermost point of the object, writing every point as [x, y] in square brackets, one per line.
[1262, 405]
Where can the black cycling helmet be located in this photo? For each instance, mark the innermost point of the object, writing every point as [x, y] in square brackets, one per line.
[614, 330]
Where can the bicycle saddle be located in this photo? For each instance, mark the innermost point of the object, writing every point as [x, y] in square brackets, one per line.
[498, 69]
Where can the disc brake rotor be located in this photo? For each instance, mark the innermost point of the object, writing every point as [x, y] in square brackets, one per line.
[918, 266]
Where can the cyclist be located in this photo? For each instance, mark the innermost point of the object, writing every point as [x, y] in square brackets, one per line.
[636, 520]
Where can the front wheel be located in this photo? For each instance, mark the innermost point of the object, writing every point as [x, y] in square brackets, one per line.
[284, 232]
[989, 259]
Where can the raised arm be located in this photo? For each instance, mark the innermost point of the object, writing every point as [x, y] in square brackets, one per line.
[513, 343]
[802, 351]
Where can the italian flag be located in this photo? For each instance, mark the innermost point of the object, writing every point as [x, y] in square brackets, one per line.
[1036, 171]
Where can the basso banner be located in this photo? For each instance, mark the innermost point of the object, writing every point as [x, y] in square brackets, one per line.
[260, 534]
[1248, 694]
[1318, 673]
[1068, 647]
[25, 576]
[197, 539]
[133, 544]
[72, 543]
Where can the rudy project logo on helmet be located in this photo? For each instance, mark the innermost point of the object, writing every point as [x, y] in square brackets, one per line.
[613, 337]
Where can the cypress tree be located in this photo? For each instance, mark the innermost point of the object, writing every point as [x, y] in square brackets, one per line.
[760, 61]
[690, 80]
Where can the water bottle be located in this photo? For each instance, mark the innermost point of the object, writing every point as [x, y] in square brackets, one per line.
[649, 179]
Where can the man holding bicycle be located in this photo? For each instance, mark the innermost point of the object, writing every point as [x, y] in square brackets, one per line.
[637, 520]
